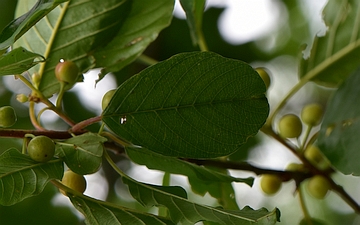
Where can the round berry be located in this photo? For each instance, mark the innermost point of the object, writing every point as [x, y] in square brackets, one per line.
[7, 116]
[315, 157]
[41, 149]
[106, 98]
[74, 181]
[318, 186]
[264, 76]
[290, 126]
[312, 114]
[295, 167]
[270, 184]
[67, 72]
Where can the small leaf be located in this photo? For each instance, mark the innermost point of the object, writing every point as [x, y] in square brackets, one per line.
[16, 28]
[185, 212]
[98, 213]
[194, 10]
[21, 177]
[338, 137]
[176, 166]
[335, 56]
[18, 61]
[193, 105]
[83, 153]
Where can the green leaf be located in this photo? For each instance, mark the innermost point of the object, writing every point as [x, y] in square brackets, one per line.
[194, 10]
[16, 28]
[338, 137]
[113, 35]
[18, 61]
[305, 221]
[21, 177]
[193, 105]
[335, 56]
[83, 153]
[67, 34]
[176, 166]
[185, 212]
[143, 24]
[98, 213]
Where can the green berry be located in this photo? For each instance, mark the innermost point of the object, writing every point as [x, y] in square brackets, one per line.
[7, 116]
[270, 184]
[106, 98]
[67, 72]
[74, 181]
[312, 114]
[290, 126]
[318, 186]
[41, 149]
[295, 167]
[22, 98]
[264, 76]
[315, 157]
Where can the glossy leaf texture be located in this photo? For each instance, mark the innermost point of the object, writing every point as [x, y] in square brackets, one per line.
[172, 165]
[21, 177]
[193, 105]
[102, 36]
[334, 57]
[338, 137]
[18, 61]
[194, 10]
[98, 213]
[16, 28]
[182, 211]
[83, 153]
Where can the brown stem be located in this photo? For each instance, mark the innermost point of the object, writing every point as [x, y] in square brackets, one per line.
[13, 133]
[79, 126]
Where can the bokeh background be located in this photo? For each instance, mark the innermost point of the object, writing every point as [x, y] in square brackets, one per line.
[265, 33]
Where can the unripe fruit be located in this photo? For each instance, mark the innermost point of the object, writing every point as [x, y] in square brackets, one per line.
[318, 186]
[290, 126]
[74, 181]
[315, 157]
[106, 98]
[22, 98]
[270, 184]
[312, 114]
[41, 149]
[67, 72]
[295, 167]
[7, 116]
[264, 76]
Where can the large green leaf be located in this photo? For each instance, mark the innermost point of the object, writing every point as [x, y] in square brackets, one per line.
[182, 211]
[83, 153]
[195, 105]
[176, 166]
[16, 28]
[339, 135]
[108, 33]
[98, 213]
[18, 61]
[334, 56]
[21, 177]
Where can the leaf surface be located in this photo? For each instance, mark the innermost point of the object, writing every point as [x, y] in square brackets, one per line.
[176, 166]
[16, 28]
[338, 137]
[185, 212]
[335, 56]
[83, 153]
[98, 213]
[18, 61]
[21, 177]
[109, 34]
[193, 105]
